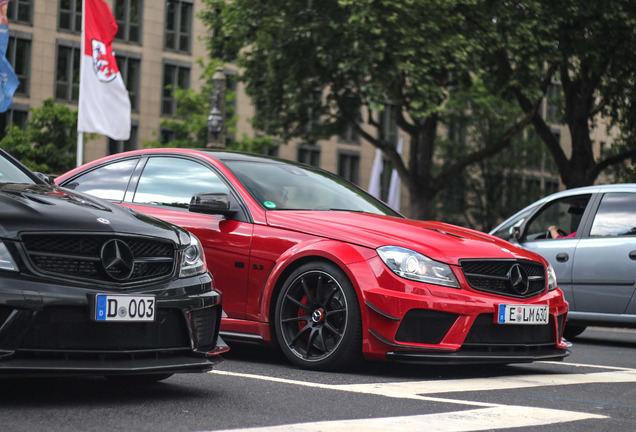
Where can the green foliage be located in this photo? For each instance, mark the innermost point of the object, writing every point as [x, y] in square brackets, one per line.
[361, 56]
[49, 143]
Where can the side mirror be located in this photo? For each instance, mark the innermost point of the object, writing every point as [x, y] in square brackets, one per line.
[45, 177]
[211, 203]
[513, 234]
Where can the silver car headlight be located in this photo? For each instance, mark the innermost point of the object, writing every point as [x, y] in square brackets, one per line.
[192, 259]
[6, 260]
[552, 281]
[415, 266]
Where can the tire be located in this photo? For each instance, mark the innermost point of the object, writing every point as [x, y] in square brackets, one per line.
[572, 331]
[138, 379]
[317, 318]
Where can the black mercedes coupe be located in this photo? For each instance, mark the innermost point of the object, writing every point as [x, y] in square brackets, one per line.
[91, 288]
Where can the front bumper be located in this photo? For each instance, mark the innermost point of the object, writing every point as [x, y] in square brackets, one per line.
[46, 328]
[421, 323]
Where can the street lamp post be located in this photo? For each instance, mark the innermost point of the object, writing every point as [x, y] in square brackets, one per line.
[216, 118]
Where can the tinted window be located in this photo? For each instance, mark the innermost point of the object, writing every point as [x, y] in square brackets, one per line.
[173, 181]
[108, 182]
[616, 216]
[280, 186]
[10, 173]
[565, 214]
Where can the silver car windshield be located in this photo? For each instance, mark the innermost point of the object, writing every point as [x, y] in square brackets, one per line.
[9, 173]
[281, 186]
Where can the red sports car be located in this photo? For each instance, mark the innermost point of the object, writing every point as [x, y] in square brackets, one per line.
[310, 262]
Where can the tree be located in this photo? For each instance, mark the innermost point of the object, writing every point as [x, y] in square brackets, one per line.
[587, 49]
[361, 57]
[49, 142]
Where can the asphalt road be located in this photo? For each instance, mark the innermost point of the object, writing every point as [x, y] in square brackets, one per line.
[594, 389]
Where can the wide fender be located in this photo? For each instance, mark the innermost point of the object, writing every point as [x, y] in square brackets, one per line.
[340, 253]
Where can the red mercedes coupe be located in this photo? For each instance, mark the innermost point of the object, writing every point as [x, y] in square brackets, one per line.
[309, 261]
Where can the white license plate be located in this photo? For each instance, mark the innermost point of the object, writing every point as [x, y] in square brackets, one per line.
[121, 307]
[523, 314]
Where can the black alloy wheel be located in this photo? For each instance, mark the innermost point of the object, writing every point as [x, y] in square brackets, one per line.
[317, 318]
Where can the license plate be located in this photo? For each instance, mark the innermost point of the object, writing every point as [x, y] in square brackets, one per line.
[523, 314]
[126, 308]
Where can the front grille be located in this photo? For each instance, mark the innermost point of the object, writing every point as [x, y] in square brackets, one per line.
[425, 326]
[206, 327]
[80, 256]
[70, 329]
[492, 276]
[485, 332]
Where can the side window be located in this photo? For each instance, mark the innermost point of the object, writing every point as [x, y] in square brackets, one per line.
[173, 181]
[511, 229]
[616, 216]
[107, 182]
[565, 214]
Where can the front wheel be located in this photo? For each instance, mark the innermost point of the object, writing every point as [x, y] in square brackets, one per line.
[317, 318]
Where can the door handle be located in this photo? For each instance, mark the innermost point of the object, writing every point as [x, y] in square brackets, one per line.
[563, 257]
[632, 255]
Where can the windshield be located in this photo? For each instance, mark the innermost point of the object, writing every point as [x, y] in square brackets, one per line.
[9, 173]
[280, 186]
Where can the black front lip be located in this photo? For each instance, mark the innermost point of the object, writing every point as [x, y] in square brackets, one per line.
[474, 356]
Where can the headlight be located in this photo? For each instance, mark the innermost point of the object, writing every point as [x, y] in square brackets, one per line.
[192, 259]
[552, 282]
[415, 266]
[6, 260]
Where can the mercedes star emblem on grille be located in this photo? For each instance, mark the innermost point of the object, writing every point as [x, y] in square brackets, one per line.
[117, 259]
[518, 279]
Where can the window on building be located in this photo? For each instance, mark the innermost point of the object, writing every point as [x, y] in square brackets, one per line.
[350, 135]
[67, 71]
[166, 136]
[349, 166]
[174, 75]
[313, 111]
[128, 15]
[388, 124]
[130, 68]
[553, 103]
[20, 11]
[17, 115]
[178, 27]
[19, 55]
[122, 146]
[458, 131]
[309, 155]
[70, 16]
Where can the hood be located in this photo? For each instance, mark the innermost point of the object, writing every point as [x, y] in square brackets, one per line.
[439, 241]
[39, 207]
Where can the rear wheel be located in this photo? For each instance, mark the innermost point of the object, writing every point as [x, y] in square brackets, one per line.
[317, 318]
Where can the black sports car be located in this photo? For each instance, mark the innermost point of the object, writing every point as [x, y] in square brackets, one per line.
[91, 288]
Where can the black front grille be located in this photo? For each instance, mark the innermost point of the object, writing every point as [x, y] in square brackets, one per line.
[425, 326]
[79, 256]
[205, 323]
[70, 329]
[485, 332]
[492, 276]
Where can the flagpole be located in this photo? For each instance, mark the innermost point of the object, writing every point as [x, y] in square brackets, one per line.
[80, 135]
[80, 148]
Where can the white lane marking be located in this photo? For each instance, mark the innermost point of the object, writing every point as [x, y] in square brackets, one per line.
[416, 389]
[592, 366]
[499, 417]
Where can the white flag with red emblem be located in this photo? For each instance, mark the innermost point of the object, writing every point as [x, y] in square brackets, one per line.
[104, 105]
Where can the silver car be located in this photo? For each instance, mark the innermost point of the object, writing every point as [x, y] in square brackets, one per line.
[589, 236]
